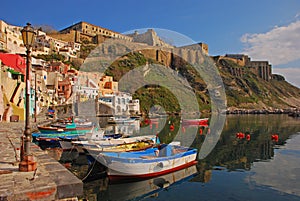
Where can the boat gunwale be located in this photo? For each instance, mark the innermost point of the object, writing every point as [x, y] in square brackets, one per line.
[139, 159]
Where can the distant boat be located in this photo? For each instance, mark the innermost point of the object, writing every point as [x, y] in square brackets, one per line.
[198, 122]
[120, 120]
[50, 136]
[149, 163]
[72, 128]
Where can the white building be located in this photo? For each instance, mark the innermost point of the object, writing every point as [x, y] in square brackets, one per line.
[86, 88]
[11, 38]
[45, 45]
[11, 41]
[121, 103]
[134, 106]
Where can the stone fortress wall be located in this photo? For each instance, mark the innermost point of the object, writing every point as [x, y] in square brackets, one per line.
[153, 47]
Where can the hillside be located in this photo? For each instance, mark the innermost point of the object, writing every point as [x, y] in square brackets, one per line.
[251, 92]
[244, 92]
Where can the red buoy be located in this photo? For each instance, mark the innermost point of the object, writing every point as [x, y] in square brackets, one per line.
[240, 135]
[275, 137]
[171, 127]
[248, 137]
[200, 131]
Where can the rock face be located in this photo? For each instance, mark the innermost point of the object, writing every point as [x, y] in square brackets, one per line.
[245, 87]
[278, 77]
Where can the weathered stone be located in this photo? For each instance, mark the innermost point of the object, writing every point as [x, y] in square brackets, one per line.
[51, 181]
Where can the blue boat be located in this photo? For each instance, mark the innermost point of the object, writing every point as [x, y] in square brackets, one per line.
[148, 163]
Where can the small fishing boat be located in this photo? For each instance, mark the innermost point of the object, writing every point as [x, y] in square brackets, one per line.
[72, 128]
[120, 120]
[97, 145]
[55, 140]
[149, 163]
[80, 122]
[127, 147]
[198, 122]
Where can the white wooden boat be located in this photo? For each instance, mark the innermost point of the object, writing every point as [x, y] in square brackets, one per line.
[120, 120]
[148, 163]
[97, 145]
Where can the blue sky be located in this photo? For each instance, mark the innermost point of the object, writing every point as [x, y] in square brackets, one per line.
[264, 29]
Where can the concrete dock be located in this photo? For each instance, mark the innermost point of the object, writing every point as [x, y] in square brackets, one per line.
[51, 180]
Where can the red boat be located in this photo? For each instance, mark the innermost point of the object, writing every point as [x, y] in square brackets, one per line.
[195, 122]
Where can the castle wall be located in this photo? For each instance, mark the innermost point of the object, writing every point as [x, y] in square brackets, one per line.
[92, 30]
[71, 36]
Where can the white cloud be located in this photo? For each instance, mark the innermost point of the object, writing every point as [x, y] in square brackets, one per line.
[280, 45]
[292, 75]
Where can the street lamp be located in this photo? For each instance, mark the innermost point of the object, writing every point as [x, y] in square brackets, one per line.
[27, 163]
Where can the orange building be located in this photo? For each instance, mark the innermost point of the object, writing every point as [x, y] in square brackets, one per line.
[107, 86]
[64, 90]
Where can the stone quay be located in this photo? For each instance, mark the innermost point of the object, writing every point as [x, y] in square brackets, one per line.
[50, 181]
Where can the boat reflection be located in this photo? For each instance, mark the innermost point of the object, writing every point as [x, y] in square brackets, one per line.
[141, 189]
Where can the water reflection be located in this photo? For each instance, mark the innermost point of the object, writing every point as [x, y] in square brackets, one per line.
[137, 190]
[236, 169]
[283, 172]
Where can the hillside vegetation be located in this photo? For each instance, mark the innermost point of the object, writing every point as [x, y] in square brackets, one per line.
[245, 92]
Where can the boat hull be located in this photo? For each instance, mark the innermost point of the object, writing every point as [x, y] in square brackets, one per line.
[54, 130]
[115, 175]
[141, 168]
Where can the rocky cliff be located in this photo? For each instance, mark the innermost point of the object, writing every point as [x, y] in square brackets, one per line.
[244, 88]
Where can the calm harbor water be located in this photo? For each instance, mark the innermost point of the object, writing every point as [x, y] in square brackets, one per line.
[235, 169]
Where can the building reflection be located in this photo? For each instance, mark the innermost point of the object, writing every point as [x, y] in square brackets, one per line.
[130, 129]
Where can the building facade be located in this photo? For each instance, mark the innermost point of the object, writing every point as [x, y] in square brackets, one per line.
[11, 39]
[107, 86]
[93, 30]
[120, 103]
[262, 69]
[45, 44]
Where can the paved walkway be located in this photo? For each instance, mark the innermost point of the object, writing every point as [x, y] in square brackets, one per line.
[51, 181]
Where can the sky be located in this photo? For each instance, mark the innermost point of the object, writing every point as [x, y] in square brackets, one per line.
[264, 29]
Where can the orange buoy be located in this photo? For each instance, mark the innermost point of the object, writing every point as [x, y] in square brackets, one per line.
[200, 131]
[171, 127]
